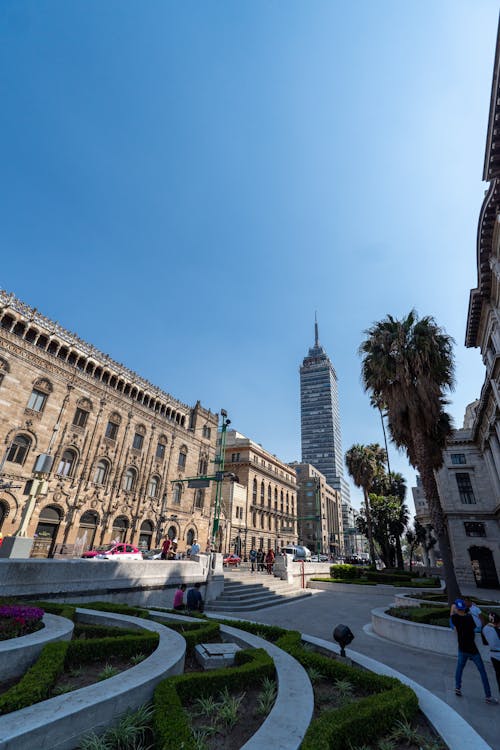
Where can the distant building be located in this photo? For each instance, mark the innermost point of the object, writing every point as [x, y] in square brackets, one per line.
[260, 509]
[320, 418]
[114, 448]
[319, 511]
[354, 542]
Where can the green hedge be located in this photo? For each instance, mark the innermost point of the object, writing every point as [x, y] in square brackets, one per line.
[354, 581]
[347, 571]
[37, 683]
[118, 609]
[381, 577]
[194, 633]
[171, 722]
[63, 609]
[429, 615]
[100, 631]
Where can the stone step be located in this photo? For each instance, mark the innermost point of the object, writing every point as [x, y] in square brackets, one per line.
[234, 606]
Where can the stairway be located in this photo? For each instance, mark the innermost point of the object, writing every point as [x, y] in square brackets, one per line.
[245, 592]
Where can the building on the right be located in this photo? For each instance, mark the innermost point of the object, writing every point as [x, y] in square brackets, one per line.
[355, 543]
[319, 512]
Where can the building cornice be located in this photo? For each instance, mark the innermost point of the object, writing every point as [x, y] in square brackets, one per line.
[491, 168]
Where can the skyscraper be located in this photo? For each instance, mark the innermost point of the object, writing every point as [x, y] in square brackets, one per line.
[320, 418]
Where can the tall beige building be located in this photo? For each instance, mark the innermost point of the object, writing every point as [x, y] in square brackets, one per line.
[261, 508]
[114, 448]
[319, 511]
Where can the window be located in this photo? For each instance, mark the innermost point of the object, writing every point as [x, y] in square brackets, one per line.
[465, 489]
[203, 466]
[457, 458]
[37, 400]
[207, 432]
[182, 457]
[177, 494]
[254, 492]
[262, 493]
[18, 449]
[199, 499]
[269, 496]
[129, 480]
[101, 472]
[160, 451]
[153, 487]
[235, 457]
[138, 441]
[80, 418]
[66, 463]
[112, 430]
[473, 528]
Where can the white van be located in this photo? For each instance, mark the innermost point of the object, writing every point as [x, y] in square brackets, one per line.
[298, 552]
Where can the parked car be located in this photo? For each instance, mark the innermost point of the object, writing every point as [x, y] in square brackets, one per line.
[114, 552]
[231, 559]
[319, 558]
[152, 554]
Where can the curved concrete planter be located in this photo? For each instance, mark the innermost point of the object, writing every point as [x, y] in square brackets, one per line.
[18, 654]
[295, 694]
[381, 589]
[60, 722]
[453, 729]
[428, 637]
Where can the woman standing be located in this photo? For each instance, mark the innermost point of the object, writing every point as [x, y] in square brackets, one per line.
[270, 561]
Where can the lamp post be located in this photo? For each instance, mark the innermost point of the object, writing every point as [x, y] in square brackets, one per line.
[219, 474]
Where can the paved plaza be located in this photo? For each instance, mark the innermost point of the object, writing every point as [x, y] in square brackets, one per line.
[318, 615]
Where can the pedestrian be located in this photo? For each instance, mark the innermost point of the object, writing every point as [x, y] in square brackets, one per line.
[179, 597]
[467, 649]
[165, 548]
[260, 560]
[476, 613]
[270, 561]
[195, 548]
[253, 559]
[491, 633]
[172, 550]
[194, 599]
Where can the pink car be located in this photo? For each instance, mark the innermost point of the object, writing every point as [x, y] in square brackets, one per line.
[114, 552]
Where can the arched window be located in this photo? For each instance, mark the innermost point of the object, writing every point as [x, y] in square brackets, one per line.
[269, 523]
[261, 520]
[153, 485]
[145, 535]
[281, 501]
[172, 532]
[161, 448]
[38, 398]
[203, 465]
[254, 518]
[67, 463]
[182, 457]
[101, 472]
[254, 492]
[4, 368]
[199, 498]
[129, 480]
[190, 537]
[262, 493]
[269, 495]
[18, 449]
[177, 494]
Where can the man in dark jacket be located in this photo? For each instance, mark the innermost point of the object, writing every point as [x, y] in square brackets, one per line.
[194, 599]
[464, 625]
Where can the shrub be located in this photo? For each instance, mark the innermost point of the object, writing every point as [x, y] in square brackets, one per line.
[346, 571]
[62, 610]
[119, 609]
[428, 615]
[82, 630]
[18, 620]
[84, 651]
[37, 683]
[203, 632]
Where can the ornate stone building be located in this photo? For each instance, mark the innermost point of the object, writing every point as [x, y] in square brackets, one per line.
[319, 510]
[261, 508]
[108, 444]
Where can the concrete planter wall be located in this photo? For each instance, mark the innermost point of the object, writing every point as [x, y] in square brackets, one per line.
[428, 637]
[59, 723]
[18, 654]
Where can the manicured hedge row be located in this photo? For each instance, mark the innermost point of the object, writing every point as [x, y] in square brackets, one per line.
[62, 610]
[346, 571]
[171, 722]
[431, 615]
[99, 631]
[118, 609]
[366, 719]
[37, 683]
[194, 633]
[357, 581]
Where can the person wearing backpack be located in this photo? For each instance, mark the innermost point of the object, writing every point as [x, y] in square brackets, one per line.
[491, 633]
[467, 649]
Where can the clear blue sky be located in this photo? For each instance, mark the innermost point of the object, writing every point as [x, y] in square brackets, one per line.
[184, 183]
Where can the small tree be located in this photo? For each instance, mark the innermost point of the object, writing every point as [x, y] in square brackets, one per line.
[415, 538]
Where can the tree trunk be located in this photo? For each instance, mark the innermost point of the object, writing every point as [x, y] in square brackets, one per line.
[439, 523]
[399, 553]
[369, 526]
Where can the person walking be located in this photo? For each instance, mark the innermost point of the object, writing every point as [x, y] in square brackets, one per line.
[491, 633]
[270, 561]
[195, 548]
[165, 548]
[253, 559]
[465, 626]
[179, 597]
[260, 560]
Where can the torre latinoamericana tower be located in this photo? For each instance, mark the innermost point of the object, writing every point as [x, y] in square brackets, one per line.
[320, 418]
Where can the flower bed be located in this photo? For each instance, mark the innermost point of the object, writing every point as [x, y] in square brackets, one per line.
[17, 620]
[429, 615]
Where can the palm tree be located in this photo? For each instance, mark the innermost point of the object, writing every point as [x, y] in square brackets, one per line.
[363, 463]
[408, 365]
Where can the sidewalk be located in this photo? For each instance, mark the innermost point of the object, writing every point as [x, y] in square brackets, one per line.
[318, 615]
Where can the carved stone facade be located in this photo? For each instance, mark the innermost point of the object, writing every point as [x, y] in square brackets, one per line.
[114, 443]
[261, 508]
[319, 509]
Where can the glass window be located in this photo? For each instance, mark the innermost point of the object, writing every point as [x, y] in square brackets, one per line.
[80, 418]
[465, 489]
[66, 463]
[101, 472]
[153, 487]
[129, 480]
[206, 432]
[457, 458]
[199, 498]
[18, 449]
[182, 458]
[37, 400]
[177, 494]
[254, 491]
[138, 441]
[203, 466]
[160, 450]
[474, 528]
[111, 430]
